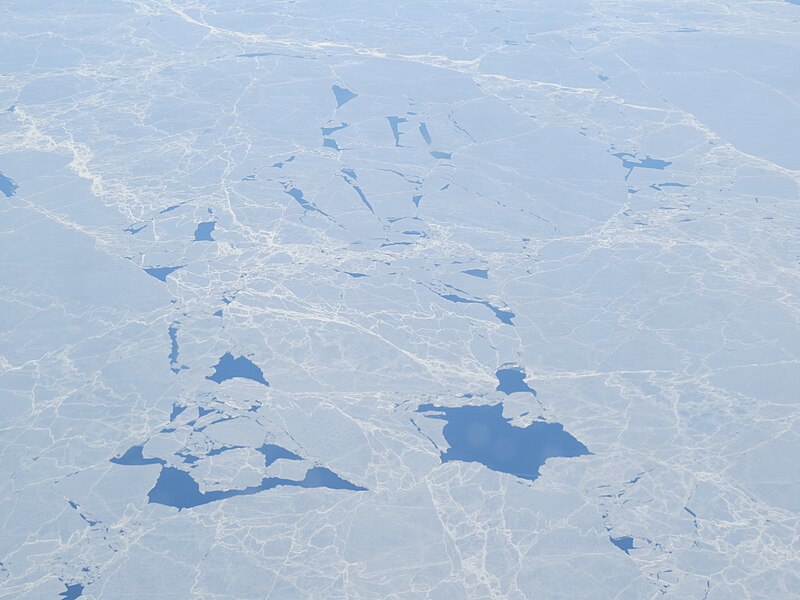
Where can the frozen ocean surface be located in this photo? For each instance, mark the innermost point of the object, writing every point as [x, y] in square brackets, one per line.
[397, 300]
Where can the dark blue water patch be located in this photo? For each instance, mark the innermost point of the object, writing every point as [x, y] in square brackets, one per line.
[321, 477]
[188, 458]
[229, 367]
[624, 543]
[423, 131]
[169, 208]
[644, 163]
[7, 185]
[512, 379]
[481, 434]
[178, 489]
[482, 273]
[635, 479]
[330, 143]
[134, 230]
[350, 173]
[693, 515]
[326, 131]
[300, 199]
[279, 165]
[87, 520]
[388, 244]
[222, 449]
[133, 458]
[356, 275]
[273, 452]
[394, 123]
[503, 315]
[416, 200]
[176, 411]
[363, 199]
[73, 591]
[218, 313]
[602, 78]
[250, 177]
[220, 420]
[161, 273]
[437, 154]
[173, 336]
[343, 95]
[203, 231]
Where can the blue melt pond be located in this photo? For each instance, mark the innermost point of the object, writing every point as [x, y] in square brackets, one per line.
[203, 231]
[300, 199]
[481, 434]
[273, 452]
[173, 336]
[133, 457]
[394, 123]
[7, 186]
[326, 131]
[229, 367]
[512, 379]
[423, 130]
[177, 488]
[624, 543]
[176, 411]
[134, 230]
[645, 163]
[161, 273]
[221, 450]
[343, 95]
[504, 316]
[482, 273]
[72, 592]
